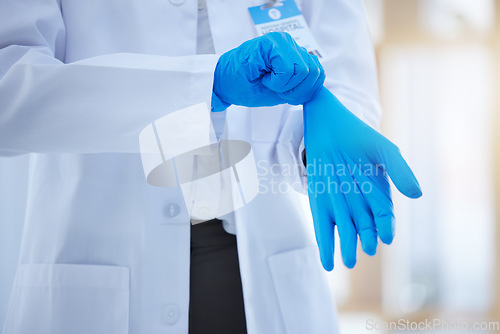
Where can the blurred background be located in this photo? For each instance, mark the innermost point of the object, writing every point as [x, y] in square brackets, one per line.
[439, 69]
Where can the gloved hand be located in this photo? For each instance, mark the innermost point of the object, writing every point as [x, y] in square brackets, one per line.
[347, 162]
[266, 71]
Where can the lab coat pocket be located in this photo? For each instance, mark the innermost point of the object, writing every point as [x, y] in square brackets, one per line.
[303, 293]
[69, 298]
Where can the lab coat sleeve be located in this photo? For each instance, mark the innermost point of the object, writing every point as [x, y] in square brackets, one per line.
[340, 28]
[95, 105]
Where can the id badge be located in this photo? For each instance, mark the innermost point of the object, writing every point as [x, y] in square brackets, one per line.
[285, 16]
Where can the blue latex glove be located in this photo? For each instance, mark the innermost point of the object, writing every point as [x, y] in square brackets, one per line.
[266, 71]
[347, 162]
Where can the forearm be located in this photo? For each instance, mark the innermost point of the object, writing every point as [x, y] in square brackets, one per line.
[95, 105]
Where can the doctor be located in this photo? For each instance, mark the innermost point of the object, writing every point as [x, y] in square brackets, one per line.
[105, 252]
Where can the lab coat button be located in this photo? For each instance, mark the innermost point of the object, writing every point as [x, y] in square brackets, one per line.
[171, 210]
[177, 2]
[170, 314]
[201, 4]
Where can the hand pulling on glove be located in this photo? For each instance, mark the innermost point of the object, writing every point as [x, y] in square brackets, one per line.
[266, 71]
[347, 160]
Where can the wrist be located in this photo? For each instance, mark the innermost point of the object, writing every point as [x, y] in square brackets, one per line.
[217, 103]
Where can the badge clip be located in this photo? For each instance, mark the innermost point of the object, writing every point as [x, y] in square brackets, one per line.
[272, 3]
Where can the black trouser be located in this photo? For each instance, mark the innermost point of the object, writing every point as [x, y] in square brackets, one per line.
[216, 296]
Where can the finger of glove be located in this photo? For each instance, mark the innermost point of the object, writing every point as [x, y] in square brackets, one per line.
[323, 223]
[367, 230]
[399, 171]
[359, 209]
[361, 215]
[259, 96]
[347, 230]
[308, 88]
[237, 76]
[287, 68]
[377, 192]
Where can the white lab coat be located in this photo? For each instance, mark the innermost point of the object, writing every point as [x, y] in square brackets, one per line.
[105, 252]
